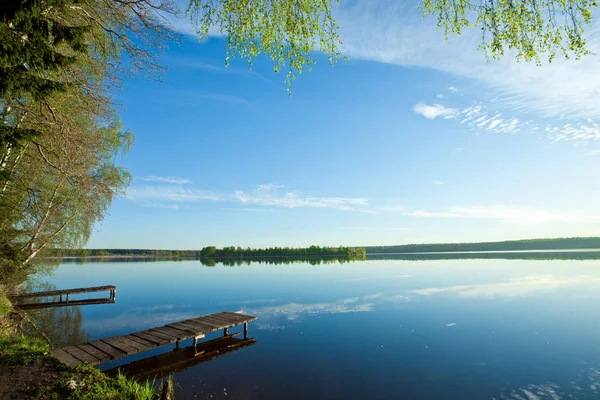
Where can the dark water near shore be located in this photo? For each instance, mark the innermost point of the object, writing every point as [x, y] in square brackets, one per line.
[376, 329]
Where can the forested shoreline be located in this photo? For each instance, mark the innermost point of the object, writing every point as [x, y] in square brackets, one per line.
[508, 245]
[341, 251]
[218, 253]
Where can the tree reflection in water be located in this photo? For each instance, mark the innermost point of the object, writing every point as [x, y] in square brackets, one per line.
[62, 326]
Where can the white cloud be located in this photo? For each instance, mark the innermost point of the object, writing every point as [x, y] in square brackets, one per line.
[385, 31]
[435, 110]
[594, 152]
[521, 286]
[452, 89]
[294, 311]
[366, 228]
[266, 195]
[269, 195]
[438, 183]
[168, 179]
[508, 213]
[451, 324]
[150, 195]
[481, 117]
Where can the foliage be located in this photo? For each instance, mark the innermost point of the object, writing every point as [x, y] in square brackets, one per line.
[213, 252]
[286, 31]
[527, 27]
[238, 252]
[59, 136]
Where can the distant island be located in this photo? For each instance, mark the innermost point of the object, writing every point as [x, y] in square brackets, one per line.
[575, 243]
[229, 252]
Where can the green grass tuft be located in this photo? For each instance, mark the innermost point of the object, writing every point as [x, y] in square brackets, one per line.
[82, 382]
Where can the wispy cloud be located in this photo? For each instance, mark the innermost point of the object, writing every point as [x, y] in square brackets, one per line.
[435, 110]
[508, 213]
[370, 228]
[172, 194]
[384, 31]
[452, 89]
[294, 311]
[438, 183]
[521, 286]
[482, 118]
[214, 67]
[168, 179]
[270, 195]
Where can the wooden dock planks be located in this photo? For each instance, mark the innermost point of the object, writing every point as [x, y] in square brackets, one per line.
[112, 348]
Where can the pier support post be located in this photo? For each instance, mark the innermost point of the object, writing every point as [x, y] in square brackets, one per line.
[245, 330]
[225, 332]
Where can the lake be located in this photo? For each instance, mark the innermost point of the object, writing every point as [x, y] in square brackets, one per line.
[375, 329]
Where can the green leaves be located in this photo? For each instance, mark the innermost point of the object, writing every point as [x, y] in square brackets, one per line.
[530, 28]
[286, 31]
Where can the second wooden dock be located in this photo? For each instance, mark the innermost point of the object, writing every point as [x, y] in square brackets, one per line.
[102, 350]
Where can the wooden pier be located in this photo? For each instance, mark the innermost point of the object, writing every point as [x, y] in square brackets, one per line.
[20, 301]
[112, 348]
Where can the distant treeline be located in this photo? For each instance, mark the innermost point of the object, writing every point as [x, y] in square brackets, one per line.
[225, 252]
[238, 252]
[539, 256]
[509, 245]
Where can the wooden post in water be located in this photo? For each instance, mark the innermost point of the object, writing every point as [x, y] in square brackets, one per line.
[245, 330]
[225, 332]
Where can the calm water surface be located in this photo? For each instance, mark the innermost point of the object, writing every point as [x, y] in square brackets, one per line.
[383, 329]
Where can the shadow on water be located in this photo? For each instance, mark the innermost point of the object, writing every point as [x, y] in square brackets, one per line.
[179, 360]
[323, 260]
[60, 326]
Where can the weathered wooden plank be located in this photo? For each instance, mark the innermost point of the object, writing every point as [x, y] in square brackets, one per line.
[108, 349]
[65, 357]
[228, 319]
[136, 345]
[81, 355]
[116, 342]
[168, 336]
[205, 327]
[189, 326]
[145, 335]
[65, 291]
[221, 322]
[186, 332]
[243, 317]
[148, 343]
[232, 318]
[100, 355]
[50, 304]
[212, 322]
[180, 334]
[197, 327]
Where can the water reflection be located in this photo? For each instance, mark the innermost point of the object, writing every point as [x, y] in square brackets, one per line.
[380, 329]
[179, 360]
[61, 326]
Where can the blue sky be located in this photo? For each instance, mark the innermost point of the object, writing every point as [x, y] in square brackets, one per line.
[415, 139]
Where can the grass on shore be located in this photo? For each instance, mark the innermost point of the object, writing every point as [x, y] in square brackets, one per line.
[52, 379]
[29, 370]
